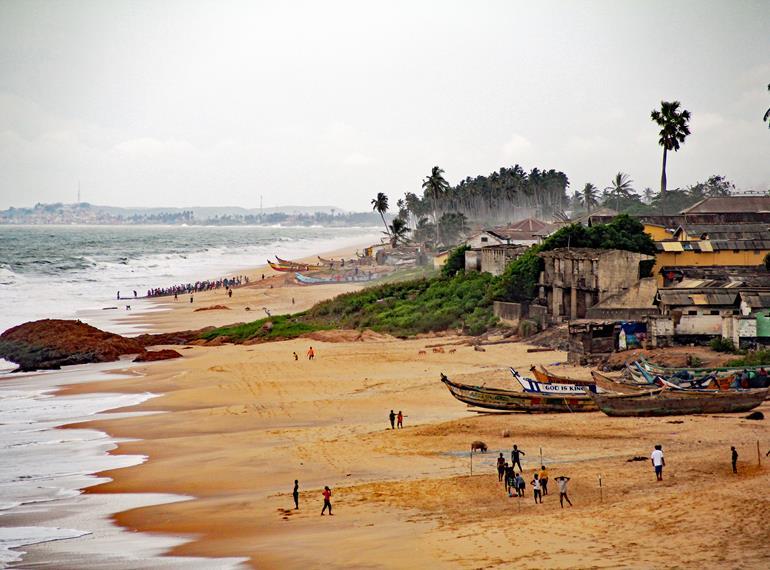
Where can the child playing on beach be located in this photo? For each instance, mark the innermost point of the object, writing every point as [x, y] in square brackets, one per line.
[501, 465]
[516, 454]
[544, 479]
[327, 493]
[562, 481]
[536, 488]
[400, 420]
[658, 462]
[520, 484]
[295, 356]
[310, 353]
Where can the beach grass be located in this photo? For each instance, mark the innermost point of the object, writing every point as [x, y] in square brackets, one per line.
[281, 327]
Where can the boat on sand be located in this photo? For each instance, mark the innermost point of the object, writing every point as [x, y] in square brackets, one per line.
[510, 400]
[678, 402]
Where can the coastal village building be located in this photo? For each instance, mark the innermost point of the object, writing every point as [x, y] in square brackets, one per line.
[575, 279]
[492, 249]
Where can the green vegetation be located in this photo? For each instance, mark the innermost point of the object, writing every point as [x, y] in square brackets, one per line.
[759, 357]
[456, 261]
[674, 129]
[413, 307]
[720, 344]
[283, 327]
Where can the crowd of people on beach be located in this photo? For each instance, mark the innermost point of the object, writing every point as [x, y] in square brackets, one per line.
[199, 286]
[514, 482]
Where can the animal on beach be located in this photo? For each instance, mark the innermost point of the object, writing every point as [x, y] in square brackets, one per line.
[421, 353]
[452, 350]
[478, 348]
[439, 350]
[479, 446]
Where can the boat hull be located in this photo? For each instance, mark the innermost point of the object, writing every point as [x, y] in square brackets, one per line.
[678, 402]
[543, 375]
[496, 399]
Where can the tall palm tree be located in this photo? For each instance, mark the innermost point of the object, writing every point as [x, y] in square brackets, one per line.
[435, 187]
[380, 204]
[620, 188]
[589, 196]
[673, 130]
[398, 231]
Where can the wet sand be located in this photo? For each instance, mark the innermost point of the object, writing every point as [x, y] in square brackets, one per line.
[242, 422]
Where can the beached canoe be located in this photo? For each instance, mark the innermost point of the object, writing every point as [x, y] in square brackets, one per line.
[618, 385]
[289, 267]
[678, 402]
[497, 399]
[543, 375]
[535, 387]
[667, 371]
[310, 280]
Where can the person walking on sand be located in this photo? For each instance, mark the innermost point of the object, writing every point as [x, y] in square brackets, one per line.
[327, 493]
[536, 489]
[562, 481]
[735, 459]
[658, 462]
[310, 353]
[295, 494]
[400, 420]
[516, 454]
[544, 479]
[501, 464]
[392, 417]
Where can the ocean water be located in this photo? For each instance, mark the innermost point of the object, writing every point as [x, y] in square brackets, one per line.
[55, 271]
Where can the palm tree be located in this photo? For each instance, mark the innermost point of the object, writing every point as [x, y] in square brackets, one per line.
[435, 186]
[588, 197]
[673, 130]
[380, 204]
[620, 188]
[398, 231]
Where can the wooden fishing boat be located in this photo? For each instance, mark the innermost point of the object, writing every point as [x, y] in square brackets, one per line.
[535, 387]
[287, 267]
[310, 280]
[617, 385]
[667, 371]
[678, 402]
[497, 399]
[543, 375]
[338, 262]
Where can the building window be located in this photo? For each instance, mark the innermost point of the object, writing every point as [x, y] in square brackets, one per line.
[692, 312]
[713, 312]
[484, 240]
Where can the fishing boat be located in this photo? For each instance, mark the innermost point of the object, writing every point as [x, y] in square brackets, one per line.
[618, 385]
[338, 262]
[678, 402]
[497, 399]
[288, 266]
[535, 387]
[667, 371]
[310, 280]
[543, 375]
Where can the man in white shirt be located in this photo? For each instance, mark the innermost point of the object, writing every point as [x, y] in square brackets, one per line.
[658, 462]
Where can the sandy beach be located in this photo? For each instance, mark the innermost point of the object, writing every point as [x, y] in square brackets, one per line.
[240, 423]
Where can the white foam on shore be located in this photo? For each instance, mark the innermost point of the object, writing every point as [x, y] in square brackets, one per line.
[44, 470]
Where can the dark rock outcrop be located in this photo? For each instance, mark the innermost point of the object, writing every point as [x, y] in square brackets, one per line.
[152, 356]
[52, 343]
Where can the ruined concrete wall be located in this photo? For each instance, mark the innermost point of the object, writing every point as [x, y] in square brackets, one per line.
[472, 260]
[509, 313]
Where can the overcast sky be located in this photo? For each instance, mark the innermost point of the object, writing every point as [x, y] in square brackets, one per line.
[321, 102]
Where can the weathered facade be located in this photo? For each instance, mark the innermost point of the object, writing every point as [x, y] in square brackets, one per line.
[494, 258]
[574, 280]
[591, 341]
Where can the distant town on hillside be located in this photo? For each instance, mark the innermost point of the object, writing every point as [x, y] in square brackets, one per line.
[85, 213]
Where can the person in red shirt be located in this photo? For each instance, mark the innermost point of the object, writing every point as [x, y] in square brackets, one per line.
[400, 419]
[327, 493]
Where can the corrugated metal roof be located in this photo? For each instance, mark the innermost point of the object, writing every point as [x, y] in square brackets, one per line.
[730, 204]
[671, 245]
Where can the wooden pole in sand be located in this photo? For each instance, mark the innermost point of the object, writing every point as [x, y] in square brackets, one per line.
[601, 493]
[541, 456]
[471, 462]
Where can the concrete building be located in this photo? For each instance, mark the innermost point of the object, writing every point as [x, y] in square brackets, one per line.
[575, 279]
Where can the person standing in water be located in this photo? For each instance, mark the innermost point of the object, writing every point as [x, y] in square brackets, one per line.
[295, 494]
[327, 493]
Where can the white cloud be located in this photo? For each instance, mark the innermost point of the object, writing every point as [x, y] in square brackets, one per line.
[516, 146]
[357, 159]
